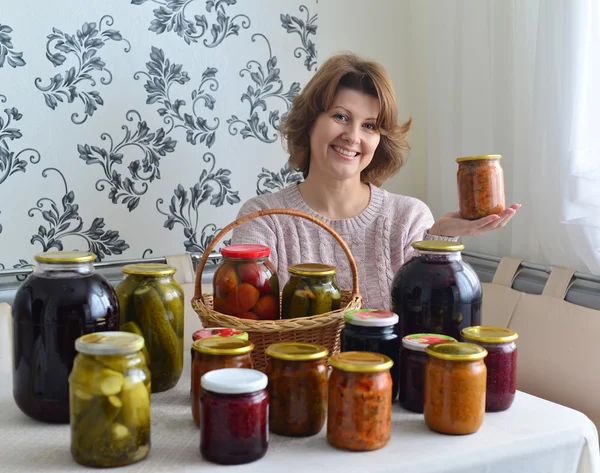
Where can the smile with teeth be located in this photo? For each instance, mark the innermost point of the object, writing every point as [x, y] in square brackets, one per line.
[342, 151]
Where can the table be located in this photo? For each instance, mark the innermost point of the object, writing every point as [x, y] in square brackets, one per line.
[533, 436]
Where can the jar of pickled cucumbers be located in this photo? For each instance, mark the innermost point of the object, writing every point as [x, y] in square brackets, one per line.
[311, 290]
[245, 284]
[109, 395]
[151, 305]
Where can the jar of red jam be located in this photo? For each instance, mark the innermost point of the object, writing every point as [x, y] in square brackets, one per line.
[412, 368]
[480, 186]
[297, 375]
[234, 427]
[359, 401]
[213, 354]
[375, 331]
[436, 291]
[246, 284]
[501, 363]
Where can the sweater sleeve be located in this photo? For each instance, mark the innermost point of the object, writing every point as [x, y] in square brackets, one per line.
[258, 231]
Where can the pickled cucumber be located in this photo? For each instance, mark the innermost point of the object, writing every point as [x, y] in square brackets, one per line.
[95, 422]
[300, 303]
[132, 327]
[165, 347]
[125, 290]
[97, 380]
[136, 404]
[172, 296]
[324, 300]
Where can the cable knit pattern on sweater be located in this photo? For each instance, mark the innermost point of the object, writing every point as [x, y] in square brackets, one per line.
[380, 238]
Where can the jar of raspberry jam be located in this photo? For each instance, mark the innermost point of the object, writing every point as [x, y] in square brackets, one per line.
[412, 368]
[234, 421]
[501, 363]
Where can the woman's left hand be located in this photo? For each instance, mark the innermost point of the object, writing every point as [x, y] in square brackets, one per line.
[452, 225]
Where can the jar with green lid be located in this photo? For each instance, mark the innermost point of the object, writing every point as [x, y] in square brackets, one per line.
[63, 299]
[455, 386]
[109, 394]
[311, 290]
[297, 375]
[151, 304]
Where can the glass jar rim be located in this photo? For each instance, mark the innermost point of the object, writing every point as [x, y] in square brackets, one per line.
[297, 351]
[234, 381]
[420, 341]
[459, 351]
[312, 269]
[245, 251]
[488, 334]
[59, 257]
[109, 343]
[149, 269]
[438, 245]
[371, 317]
[480, 157]
[361, 362]
[223, 346]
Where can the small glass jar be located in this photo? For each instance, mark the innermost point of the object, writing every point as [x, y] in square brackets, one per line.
[235, 425]
[359, 401]
[152, 305]
[437, 291]
[110, 400]
[245, 284]
[213, 354]
[412, 368]
[63, 299]
[311, 290]
[374, 331]
[297, 375]
[455, 380]
[480, 186]
[501, 363]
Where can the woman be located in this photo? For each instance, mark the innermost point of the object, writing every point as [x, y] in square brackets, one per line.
[343, 134]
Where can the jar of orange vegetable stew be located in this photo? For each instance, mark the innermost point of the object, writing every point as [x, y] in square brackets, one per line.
[480, 186]
[297, 375]
[245, 284]
[455, 377]
[360, 401]
[216, 353]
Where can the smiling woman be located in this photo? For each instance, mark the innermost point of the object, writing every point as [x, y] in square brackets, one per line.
[343, 134]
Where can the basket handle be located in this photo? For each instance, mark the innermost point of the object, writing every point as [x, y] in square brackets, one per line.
[261, 213]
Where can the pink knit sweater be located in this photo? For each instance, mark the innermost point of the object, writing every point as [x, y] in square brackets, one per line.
[380, 238]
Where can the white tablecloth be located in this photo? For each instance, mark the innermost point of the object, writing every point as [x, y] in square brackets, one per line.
[534, 436]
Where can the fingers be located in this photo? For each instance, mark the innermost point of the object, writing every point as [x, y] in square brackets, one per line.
[503, 219]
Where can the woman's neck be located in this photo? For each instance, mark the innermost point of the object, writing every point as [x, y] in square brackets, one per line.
[336, 200]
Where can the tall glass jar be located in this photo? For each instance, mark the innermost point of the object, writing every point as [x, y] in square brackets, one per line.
[110, 400]
[213, 354]
[235, 425]
[359, 401]
[480, 186]
[311, 290]
[375, 331]
[152, 305]
[61, 300]
[412, 368]
[455, 380]
[501, 363]
[246, 284]
[436, 291]
[297, 375]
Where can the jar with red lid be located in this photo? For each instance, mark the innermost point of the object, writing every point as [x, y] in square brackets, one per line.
[412, 368]
[501, 363]
[480, 186]
[245, 284]
[234, 427]
[213, 354]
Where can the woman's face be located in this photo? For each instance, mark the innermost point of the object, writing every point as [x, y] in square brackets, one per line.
[345, 137]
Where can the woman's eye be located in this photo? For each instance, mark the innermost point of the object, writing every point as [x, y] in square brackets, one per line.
[370, 126]
[339, 116]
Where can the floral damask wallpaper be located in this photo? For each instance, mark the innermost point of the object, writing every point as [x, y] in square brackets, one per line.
[136, 128]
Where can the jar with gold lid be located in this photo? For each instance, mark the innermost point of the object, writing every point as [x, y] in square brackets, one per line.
[297, 375]
[151, 305]
[311, 290]
[480, 186]
[216, 353]
[455, 386]
[63, 299]
[359, 401]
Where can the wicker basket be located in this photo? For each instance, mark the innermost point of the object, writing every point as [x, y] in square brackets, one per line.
[324, 329]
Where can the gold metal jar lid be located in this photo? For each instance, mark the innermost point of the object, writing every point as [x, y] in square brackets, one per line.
[479, 158]
[149, 269]
[484, 334]
[223, 346]
[65, 257]
[109, 343]
[312, 269]
[438, 245]
[361, 362]
[458, 351]
[297, 351]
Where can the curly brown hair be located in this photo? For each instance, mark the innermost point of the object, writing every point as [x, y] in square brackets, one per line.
[350, 71]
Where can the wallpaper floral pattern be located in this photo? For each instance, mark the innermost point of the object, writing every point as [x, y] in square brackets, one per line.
[138, 128]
